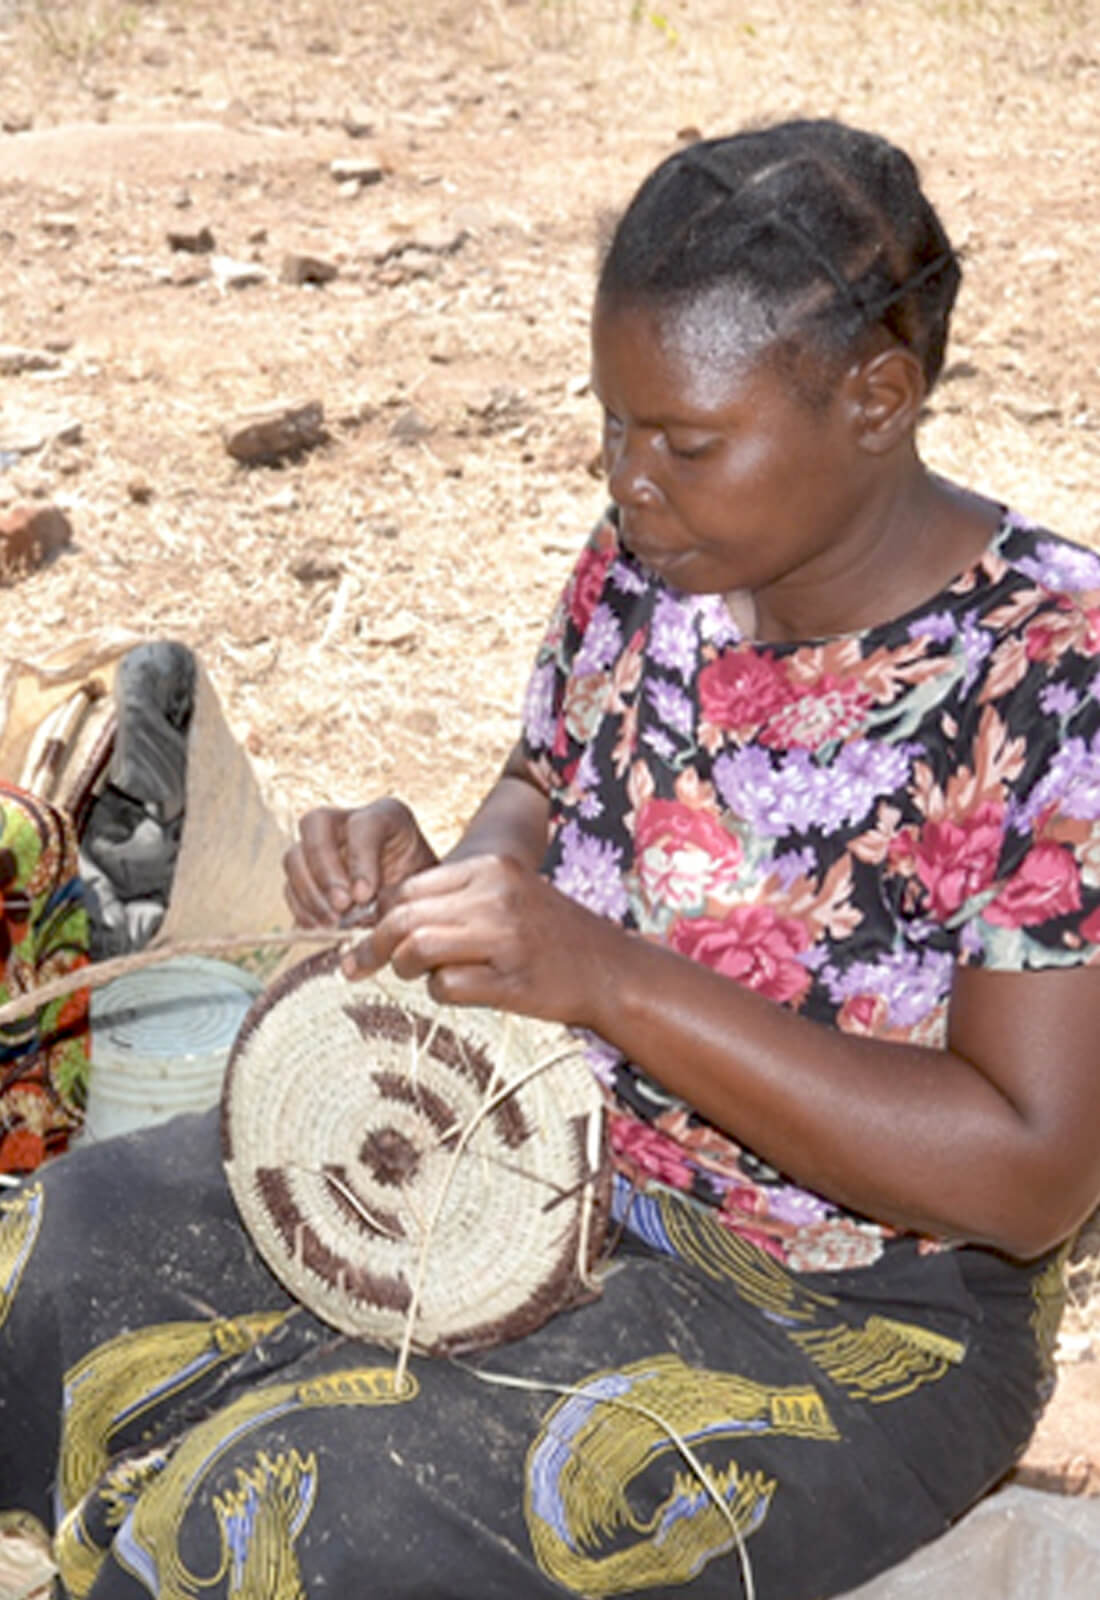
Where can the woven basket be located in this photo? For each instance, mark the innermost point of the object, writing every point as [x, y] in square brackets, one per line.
[385, 1173]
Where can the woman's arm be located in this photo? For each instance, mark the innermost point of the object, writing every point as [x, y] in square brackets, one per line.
[995, 1139]
[511, 821]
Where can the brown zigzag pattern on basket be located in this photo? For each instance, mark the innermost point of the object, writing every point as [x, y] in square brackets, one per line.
[299, 1237]
[354, 1208]
[392, 1086]
[560, 1289]
[376, 1019]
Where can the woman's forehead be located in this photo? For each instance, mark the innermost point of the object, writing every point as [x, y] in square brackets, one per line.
[694, 352]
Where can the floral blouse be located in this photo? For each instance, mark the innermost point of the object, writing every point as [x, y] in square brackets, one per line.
[834, 824]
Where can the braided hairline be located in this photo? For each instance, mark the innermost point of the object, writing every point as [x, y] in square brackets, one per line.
[890, 253]
[851, 290]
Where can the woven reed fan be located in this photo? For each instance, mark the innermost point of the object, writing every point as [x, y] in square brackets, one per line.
[385, 1173]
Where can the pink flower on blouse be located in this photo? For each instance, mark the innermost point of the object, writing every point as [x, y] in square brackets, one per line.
[683, 854]
[754, 945]
[833, 708]
[587, 585]
[954, 860]
[864, 1014]
[649, 1152]
[1045, 885]
[742, 689]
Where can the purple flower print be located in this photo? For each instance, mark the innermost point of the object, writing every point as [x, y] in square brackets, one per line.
[673, 642]
[1072, 783]
[913, 983]
[792, 865]
[590, 872]
[602, 1058]
[937, 625]
[796, 1206]
[626, 578]
[1058, 699]
[671, 705]
[587, 782]
[539, 719]
[863, 772]
[713, 619]
[976, 645]
[1059, 566]
[797, 794]
[603, 640]
[661, 743]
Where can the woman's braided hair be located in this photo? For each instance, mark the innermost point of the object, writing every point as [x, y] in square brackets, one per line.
[809, 213]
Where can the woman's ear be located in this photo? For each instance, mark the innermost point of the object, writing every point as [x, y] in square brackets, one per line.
[887, 391]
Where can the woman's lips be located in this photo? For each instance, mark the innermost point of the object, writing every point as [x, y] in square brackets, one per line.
[661, 557]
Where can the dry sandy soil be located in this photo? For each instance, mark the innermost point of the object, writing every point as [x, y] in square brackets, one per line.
[368, 612]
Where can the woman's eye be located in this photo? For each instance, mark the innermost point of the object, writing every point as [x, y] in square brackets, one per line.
[688, 450]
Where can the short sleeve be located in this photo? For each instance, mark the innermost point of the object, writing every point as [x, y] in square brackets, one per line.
[1042, 909]
[544, 700]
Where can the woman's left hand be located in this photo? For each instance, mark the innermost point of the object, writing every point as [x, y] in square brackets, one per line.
[487, 930]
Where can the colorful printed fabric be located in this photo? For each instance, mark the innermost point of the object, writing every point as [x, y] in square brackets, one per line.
[199, 1435]
[43, 935]
[836, 825]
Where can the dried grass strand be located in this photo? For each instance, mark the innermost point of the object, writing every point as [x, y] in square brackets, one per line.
[99, 973]
[494, 1097]
[508, 1380]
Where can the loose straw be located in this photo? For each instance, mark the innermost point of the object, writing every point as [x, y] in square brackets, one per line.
[536, 1386]
[488, 1105]
[101, 972]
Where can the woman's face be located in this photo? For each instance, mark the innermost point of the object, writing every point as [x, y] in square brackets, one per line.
[727, 479]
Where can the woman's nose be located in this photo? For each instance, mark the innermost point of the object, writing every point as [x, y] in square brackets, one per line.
[629, 475]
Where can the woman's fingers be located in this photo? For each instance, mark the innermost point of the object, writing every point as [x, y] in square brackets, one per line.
[342, 858]
[382, 844]
[421, 931]
[414, 938]
[475, 984]
[317, 886]
[485, 930]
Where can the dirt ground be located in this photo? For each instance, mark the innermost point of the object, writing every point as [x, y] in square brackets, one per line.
[367, 613]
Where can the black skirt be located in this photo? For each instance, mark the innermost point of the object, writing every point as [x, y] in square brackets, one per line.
[192, 1433]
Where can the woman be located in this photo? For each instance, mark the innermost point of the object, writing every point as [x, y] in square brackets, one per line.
[803, 831]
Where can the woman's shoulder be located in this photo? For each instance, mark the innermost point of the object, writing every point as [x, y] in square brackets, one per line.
[1060, 568]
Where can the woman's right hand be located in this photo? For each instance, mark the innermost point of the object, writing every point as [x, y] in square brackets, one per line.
[344, 858]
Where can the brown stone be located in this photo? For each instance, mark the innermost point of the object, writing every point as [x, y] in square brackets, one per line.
[360, 170]
[31, 534]
[265, 437]
[299, 269]
[16, 359]
[193, 241]
[317, 565]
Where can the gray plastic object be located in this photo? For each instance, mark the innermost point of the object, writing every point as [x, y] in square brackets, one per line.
[1019, 1544]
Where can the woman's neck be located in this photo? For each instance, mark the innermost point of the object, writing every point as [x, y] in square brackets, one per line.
[916, 539]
